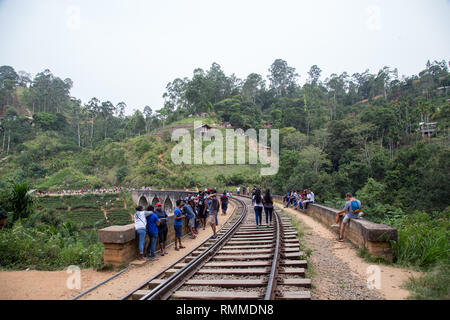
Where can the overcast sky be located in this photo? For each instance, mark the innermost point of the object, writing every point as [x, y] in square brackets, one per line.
[128, 50]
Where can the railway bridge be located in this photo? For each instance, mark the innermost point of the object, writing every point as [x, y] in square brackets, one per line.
[119, 241]
[266, 261]
[151, 197]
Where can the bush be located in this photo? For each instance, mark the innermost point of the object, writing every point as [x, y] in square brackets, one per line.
[236, 179]
[17, 201]
[121, 174]
[434, 285]
[423, 239]
[45, 217]
[49, 248]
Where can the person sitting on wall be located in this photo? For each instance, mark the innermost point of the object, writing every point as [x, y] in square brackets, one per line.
[352, 209]
[309, 199]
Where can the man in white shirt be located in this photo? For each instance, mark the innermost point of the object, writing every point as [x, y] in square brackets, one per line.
[309, 199]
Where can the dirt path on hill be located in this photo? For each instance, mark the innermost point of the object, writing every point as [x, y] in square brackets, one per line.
[338, 272]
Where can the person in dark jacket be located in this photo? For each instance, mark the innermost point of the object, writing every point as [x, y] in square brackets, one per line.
[268, 206]
[162, 228]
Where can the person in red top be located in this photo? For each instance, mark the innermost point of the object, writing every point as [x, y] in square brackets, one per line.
[224, 203]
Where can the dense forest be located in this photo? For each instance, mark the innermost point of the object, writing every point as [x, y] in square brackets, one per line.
[357, 133]
[345, 133]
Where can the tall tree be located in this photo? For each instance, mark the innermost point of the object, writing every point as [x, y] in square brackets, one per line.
[93, 108]
[282, 78]
[106, 110]
[314, 75]
[251, 86]
[120, 110]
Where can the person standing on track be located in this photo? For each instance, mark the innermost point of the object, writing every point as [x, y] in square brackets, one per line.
[268, 206]
[257, 206]
[162, 228]
[193, 205]
[140, 225]
[213, 210]
[152, 230]
[187, 210]
[224, 203]
[178, 224]
[202, 209]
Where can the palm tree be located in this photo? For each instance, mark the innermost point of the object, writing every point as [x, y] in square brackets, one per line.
[21, 202]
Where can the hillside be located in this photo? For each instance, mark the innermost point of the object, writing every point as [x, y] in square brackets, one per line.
[384, 139]
[344, 133]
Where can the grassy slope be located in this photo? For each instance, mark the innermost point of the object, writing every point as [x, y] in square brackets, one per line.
[147, 158]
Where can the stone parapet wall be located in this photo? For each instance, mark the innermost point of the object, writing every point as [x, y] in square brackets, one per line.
[375, 238]
[121, 245]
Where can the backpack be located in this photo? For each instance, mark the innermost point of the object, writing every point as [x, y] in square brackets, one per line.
[214, 205]
[355, 206]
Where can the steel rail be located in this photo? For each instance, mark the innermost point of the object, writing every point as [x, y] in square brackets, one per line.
[164, 290]
[125, 269]
[273, 278]
[145, 282]
[99, 284]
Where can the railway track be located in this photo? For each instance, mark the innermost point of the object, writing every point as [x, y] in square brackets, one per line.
[244, 262]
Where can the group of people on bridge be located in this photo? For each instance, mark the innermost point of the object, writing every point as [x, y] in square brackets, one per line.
[199, 210]
[299, 199]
